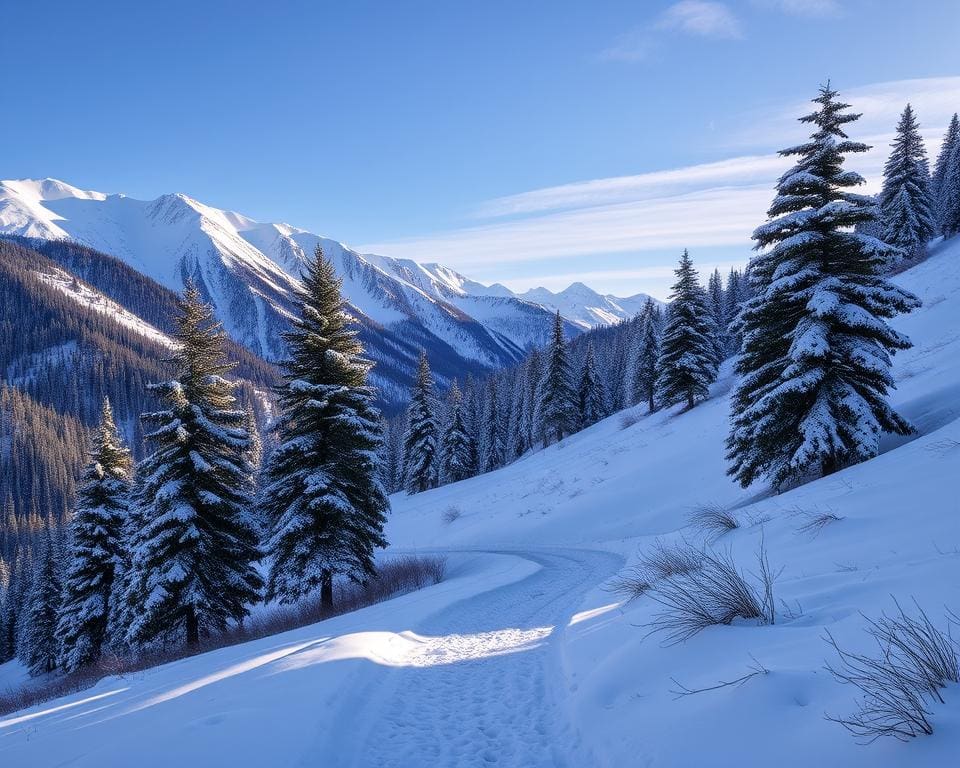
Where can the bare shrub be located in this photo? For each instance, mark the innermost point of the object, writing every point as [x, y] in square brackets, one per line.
[714, 593]
[628, 419]
[663, 562]
[914, 663]
[395, 575]
[451, 514]
[712, 521]
[815, 521]
[755, 669]
[631, 585]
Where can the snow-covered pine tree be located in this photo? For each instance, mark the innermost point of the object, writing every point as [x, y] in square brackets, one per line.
[951, 194]
[688, 350]
[591, 392]
[646, 368]
[96, 545]
[518, 444]
[455, 445]
[815, 360]
[531, 426]
[421, 442]
[193, 555]
[734, 295]
[472, 411]
[945, 172]
[322, 493]
[38, 645]
[718, 311]
[494, 442]
[557, 408]
[14, 601]
[906, 205]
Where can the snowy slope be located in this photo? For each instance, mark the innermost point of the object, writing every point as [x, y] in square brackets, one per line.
[525, 658]
[92, 299]
[248, 270]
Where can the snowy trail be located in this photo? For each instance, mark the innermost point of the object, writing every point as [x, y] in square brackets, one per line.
[462, 673]
[481, 688]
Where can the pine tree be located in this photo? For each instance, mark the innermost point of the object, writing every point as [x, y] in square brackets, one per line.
[38, 646]
[718, 311]
[13, 604]
[494, 444]
[518, 442]
[455, 446]
[420, 459]
[557, 406]
[735, 294]
[906, 205]
[96, 547]
[815, 361]
[646, 367]
[192, 563]
[591, 393]
[946, 176]
[322, 495]
[531, 426]
[688, 351]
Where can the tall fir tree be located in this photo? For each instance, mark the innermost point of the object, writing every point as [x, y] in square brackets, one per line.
[734, 296]
[688, 349]
[646, 367]
[591, 393]
[815, 361]
[494, 441]
[517, 441]
[455, 455]
[906, 204]
[38, 645]
[716, 300]
[557, 410]
[193, 554]
[530, 425]
[323, 497]
[420, 444]
[96, 546]
[945, 183]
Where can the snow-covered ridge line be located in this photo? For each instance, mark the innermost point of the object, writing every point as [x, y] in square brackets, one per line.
[96, 301]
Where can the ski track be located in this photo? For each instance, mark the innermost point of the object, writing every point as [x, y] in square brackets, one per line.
[482, 693]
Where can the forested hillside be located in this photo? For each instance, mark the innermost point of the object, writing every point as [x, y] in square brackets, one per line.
[67, 345]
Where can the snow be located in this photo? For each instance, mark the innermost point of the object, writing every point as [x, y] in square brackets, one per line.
[92, 299]
[525, 657]
[585, 307]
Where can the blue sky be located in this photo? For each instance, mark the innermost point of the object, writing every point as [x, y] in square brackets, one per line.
[522, 142]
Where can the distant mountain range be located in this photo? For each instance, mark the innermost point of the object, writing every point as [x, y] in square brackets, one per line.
[248, 271]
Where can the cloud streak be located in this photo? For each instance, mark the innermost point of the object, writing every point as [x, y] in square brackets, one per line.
[710, 205]
[700, 18]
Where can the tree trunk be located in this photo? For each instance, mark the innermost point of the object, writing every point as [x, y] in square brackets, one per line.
[829, 465]
[193, 628]
[326, 589]
[689, 399]
[650, 402]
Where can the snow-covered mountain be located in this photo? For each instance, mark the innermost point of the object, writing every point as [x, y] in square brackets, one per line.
[248, 270]
[586, 308]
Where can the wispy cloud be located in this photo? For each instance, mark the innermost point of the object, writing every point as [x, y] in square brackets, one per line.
[601, 222]
[701, 18]
[811, 8]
